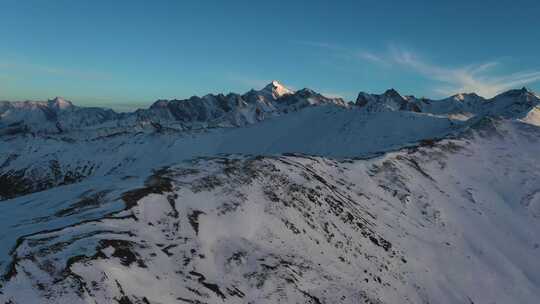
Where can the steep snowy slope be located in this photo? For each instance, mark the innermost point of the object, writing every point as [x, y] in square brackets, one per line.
[32, 163]
[452, 221]
[465, 104]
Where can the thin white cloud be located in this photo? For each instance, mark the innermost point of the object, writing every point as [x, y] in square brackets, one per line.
[369, 56]
[479, 78]
[346, 52]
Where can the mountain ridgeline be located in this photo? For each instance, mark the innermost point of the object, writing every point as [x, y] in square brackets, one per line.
[235, 110]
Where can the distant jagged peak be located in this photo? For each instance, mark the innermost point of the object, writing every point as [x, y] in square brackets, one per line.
[160, 103]
[390, 100]
[59, 103]
[410, 97]
[467, 97]
[306, 92]
[364, 98]
[392, 93]
[276, 89]
[526, 90]
[516, 93]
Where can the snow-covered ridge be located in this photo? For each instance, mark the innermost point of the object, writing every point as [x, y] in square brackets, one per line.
[235, 110]
[32, 163]
[426, 224]
[513, 103]
[276, 89]
[231, 110]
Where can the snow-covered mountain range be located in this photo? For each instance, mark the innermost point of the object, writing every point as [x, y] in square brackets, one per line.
[210, 111]
[272, 196]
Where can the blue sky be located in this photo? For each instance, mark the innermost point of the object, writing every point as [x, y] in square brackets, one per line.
[128, 53]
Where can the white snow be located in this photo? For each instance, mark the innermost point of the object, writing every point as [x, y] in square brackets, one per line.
[233, 220]
[276, 89]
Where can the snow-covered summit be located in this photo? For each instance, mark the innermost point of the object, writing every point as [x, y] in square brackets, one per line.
[467, 97]
[390, 100]
[59, 103]
[276, 90]
[234, 110]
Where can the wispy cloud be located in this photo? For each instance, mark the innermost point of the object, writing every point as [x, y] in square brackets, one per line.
[372, 57]
[481, 78]
[349, 53]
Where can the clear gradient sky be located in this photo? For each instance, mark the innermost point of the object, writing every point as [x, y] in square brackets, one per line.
[128, 53]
